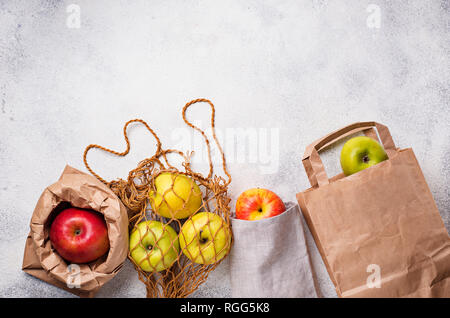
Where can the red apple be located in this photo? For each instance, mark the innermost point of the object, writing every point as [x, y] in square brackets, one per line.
[256, 204]
[79, 236]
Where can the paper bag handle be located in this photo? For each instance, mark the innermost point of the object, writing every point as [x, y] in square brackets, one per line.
[313, 164]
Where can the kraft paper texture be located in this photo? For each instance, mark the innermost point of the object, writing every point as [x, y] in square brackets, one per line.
[83, 191]
[381, 221]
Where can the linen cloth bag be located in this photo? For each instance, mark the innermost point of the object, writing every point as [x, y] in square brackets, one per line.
[270, 259]
[77, 189]
[379, 231]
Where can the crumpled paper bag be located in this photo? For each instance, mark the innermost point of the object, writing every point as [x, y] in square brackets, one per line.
[77, 189]
[270, 259]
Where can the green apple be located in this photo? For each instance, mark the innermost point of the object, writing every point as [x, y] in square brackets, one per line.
[154, 246]
[176, 196]
[360, 153]
[205, 238]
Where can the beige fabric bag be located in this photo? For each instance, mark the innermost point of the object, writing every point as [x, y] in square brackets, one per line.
[270, 258]
[80, 190]
[381, 222]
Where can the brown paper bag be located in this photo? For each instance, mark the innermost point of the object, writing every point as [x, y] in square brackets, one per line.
[77, 189]
[379, 231]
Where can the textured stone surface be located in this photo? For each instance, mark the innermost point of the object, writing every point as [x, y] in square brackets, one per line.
[292, 69]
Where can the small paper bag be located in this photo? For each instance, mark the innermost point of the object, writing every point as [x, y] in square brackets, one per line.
[77, 189]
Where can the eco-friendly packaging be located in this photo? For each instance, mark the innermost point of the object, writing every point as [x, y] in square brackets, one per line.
[77, 189]
[270, 257]
[165, 196]
[379, 231]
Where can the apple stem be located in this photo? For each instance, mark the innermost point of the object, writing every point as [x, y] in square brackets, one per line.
[202, 240]
[366, 159]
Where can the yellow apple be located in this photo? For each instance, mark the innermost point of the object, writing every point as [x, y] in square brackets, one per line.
[176, 196]
[205, 238]
[154, 246]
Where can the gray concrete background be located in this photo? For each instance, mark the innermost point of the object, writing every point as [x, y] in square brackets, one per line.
[293, 69]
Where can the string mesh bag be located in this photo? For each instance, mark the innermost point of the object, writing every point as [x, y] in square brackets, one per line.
[179, 219]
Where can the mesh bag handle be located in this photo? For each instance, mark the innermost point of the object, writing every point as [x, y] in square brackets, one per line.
[160, 151]
[120, 154]
[213, 130]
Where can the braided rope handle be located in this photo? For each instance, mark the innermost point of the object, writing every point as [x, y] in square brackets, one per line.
[159, 150]
[213, 130]
[120, 154]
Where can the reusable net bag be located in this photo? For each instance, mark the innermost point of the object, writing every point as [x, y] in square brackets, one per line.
[179, 219]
